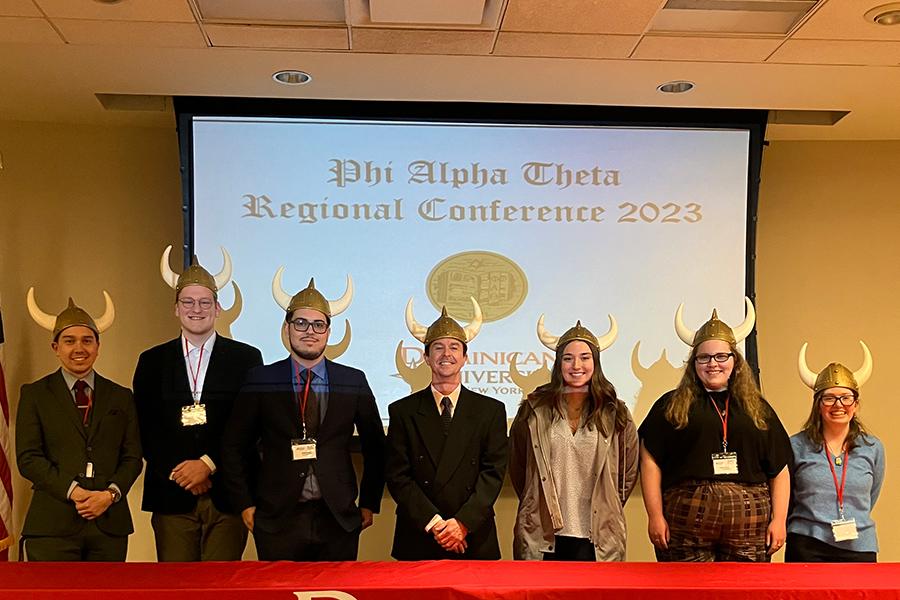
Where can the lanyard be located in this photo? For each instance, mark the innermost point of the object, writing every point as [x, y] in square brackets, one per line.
[839, 490]
[724, 419]
[302, 401]
[194, 376]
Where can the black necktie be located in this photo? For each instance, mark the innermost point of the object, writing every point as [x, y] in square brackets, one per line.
[82, 401]
[446, 415]
[311, 416]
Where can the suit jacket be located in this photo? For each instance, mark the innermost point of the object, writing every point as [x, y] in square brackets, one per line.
[53, 449]
[266, 416]
[457, 476]
[161, 389]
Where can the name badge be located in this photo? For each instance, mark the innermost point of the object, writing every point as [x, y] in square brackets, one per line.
[725, 463]
[89, 470]
[844, 529]
[303, 449]
[195, 414]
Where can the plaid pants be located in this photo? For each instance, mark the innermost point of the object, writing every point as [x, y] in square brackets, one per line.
[716, 521]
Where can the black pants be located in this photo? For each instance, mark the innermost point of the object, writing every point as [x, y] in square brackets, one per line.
[802, 548]
[308, 533]
[572, 548]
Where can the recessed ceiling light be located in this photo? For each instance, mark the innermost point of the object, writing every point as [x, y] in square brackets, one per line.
[292, 77]
[675, 87]
[108, 1]
[886, 14]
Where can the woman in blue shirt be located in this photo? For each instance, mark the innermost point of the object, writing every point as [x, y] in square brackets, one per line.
[836, 473]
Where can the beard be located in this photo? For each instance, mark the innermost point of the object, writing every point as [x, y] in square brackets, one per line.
[306, 354]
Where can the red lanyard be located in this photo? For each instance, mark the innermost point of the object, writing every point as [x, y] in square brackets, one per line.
[839, 490]
[194, 376]
[724, 420]
[302, 401]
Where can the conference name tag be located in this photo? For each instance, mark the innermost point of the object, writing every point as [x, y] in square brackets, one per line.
[844, 529]
[195, 414]
[725, 463]
[303, 449]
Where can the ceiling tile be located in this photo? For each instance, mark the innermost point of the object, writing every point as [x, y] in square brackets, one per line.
[272, 11]
[131, 33]
[838, 52]
[294, 38]
[407, 41]
[175, 11]
[564, 45]
[360, 16]
[846, 21]
[579, 16]
[18, 8]
[713, 49]
[22, 30]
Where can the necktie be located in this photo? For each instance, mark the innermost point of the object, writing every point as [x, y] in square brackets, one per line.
[82, 401]
[311, 415]
[446, 416]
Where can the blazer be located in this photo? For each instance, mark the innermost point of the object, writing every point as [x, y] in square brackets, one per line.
[457, 476]
[161, 389]
[266, 418]
[53, 449]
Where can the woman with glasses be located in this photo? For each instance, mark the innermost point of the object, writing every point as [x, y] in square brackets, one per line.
[573, 456]
[836, 473]
[714, 456]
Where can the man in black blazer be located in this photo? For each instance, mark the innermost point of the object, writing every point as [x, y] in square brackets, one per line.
[184, 390]
[77, 442]
[300, 413]
[447, 454]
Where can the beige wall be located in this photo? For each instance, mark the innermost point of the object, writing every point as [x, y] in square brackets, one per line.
[88, 208]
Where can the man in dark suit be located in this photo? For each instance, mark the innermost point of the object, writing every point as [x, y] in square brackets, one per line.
[184, 390]
[446, 454]
[301, 412]
[77, 442]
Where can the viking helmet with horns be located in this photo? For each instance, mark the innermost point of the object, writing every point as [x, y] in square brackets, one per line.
[579, 332]
[71, 316]
[195, 274]
[835, 374]
[310, 297]
[714, 329]
[444, 326]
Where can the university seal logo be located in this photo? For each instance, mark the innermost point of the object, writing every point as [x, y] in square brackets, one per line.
[496, 282]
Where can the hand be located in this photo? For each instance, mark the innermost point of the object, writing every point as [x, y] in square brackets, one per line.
[79, 494]
[247, 515]
[450, 534]
[658, 530]
[190, 474]
[94, 505]
[775, 535]
[367, 517]
[201, 488]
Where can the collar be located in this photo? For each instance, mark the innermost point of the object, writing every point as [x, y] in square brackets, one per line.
[207, 345]
[319, 370]
[454, 395]
[71, 379]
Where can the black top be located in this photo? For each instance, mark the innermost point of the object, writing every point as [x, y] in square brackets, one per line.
[684, 454]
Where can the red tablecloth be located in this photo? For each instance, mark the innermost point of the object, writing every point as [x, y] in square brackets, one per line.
[448, 580]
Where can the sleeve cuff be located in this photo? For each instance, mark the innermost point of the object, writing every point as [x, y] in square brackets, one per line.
[72, 487]
[434, 521]
[209, 463]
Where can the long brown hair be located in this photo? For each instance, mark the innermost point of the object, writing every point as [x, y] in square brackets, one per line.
[813, 428]
[602, 393]
[742, 389]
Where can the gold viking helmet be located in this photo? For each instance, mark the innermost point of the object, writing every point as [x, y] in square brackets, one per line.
[578, 332]
[835, 374]
[195, 274]
[444, 326]
[71, 316]
[714, 329]
[310, 297]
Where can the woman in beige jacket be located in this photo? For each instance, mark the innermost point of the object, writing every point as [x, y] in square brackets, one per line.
[573, 457]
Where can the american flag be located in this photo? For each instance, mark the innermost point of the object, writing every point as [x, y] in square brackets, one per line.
[6, 491]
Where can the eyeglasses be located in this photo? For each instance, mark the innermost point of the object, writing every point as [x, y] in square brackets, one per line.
[720, 357]
[301, 325]
[845, 400]
[188, 303]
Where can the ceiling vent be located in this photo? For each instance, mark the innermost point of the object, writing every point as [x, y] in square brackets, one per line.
[773, 17]
[427, 12]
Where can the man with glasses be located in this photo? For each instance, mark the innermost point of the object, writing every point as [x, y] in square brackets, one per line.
[185, 389]
[300, 413]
